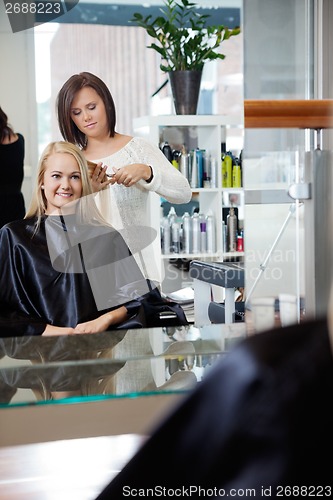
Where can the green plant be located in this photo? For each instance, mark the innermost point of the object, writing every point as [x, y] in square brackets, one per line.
[183, 38]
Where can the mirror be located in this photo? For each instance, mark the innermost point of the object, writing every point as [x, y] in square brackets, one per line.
[74, 44]
[279, 34]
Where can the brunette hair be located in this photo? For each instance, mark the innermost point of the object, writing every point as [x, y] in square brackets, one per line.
[38, 203]
[65, 98]
[5, 129]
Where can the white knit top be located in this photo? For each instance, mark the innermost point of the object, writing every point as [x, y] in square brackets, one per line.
[130, 203]
[128, 206]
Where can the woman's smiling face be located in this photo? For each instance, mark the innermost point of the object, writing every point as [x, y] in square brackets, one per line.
[61, 181]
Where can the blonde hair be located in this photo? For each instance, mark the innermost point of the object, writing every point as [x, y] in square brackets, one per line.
[38, 205]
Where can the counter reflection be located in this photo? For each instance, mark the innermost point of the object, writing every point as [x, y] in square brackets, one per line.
[110, 364]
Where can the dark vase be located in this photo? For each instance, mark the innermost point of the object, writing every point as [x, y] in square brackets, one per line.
[185, 87]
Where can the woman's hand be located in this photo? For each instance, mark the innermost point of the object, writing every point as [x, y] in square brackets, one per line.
[57, 330]
[94, 326]
[103, 322]
[131, 174]
[99, 178]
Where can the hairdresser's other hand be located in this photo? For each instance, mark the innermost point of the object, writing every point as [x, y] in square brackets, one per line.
[57, 330]
[131, 174]
[99, 180]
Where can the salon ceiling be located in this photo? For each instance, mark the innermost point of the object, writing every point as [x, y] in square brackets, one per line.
[226, 12]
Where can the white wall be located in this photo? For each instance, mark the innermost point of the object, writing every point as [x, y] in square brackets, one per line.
[17, 90]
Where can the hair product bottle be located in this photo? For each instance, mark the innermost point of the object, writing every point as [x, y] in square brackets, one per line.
[175, 236]
[186, 233]
[184, 162]
[167, 151]
[232, 230]
[172, 216]
[166, 236]
[227, 170]
[195, 233]
[210, 230]
[203, 237]
[194, 170]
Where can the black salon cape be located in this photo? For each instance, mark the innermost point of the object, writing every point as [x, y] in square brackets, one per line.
[261, 420]
[35, 291]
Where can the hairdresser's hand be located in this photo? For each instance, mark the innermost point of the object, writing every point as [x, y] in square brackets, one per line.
[99, 179]
[131, 174]
[103, 322]
[57, 330]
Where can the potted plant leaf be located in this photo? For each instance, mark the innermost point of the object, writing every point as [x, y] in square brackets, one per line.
[185, 40]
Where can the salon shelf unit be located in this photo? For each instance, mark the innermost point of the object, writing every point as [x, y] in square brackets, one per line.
[206, 132]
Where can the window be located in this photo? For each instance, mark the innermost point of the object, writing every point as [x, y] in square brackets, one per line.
[117, 53]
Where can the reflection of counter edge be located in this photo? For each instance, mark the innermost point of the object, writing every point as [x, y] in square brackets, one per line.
[212, 338]
[144, 357]
[91, 399]
[210, 347]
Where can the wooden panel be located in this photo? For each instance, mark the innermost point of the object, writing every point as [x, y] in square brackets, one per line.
[114, 416]
[313, 114]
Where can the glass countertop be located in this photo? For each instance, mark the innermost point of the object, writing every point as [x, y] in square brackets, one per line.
[113, 364]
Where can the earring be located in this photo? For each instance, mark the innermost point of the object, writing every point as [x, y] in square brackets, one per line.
[42, 186]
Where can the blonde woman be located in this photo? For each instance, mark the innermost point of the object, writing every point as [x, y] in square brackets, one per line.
[63, 270]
